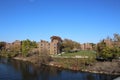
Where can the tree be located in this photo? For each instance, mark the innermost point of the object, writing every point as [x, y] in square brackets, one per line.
[116, 45]
[104, 51]
[93, 46]
[116, 37]
[100, 46]
[44, 57]
[68, 45]
[2, 45]
[27, 45]
[107, 52]
[16, 47]
[109, 48]
[76, 45]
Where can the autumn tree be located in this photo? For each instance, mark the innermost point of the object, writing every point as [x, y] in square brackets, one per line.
[68, 45]
[44, 57]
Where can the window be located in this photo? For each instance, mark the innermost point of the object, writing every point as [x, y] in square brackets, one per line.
[42, 45]
[55, 45]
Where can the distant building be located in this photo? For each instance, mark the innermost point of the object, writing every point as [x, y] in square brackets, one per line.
[15, 46]
[86, 46]
[44, 46]
[8, 46]
[51, 48]
[108, 42]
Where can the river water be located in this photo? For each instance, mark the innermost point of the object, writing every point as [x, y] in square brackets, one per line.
[18, 70]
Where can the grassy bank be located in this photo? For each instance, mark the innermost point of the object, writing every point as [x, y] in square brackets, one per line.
[88, 65]
[75, 63]
[69, 61]
[79, 54]
[75, 60]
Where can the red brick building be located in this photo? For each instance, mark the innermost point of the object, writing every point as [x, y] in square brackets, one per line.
[52, 47]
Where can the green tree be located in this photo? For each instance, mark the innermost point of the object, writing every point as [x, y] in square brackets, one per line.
[103, 50]
[27, 45]
[109, 51]
[116, 45]
[100, 46]
[2, 45]
[2, 48]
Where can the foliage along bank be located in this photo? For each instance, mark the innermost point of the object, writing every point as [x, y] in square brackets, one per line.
[109, 48]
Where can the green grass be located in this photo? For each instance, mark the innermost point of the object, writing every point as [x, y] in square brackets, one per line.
[80, 53]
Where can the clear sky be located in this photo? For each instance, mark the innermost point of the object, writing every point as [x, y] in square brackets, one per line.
[79, 20]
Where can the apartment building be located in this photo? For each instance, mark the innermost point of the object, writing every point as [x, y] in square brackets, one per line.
[86, 46]
[16, 45]
[52, 47]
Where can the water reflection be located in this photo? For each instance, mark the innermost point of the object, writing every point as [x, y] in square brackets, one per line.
[19, 70]
[31, 72]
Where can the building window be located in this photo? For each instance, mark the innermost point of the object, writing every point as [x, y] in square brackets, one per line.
[55, 45]
[42, 45]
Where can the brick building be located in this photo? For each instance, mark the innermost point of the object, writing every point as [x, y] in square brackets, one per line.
[44, 46]
[15, 46]
[108, 42]
[51, 48]
[86, 46]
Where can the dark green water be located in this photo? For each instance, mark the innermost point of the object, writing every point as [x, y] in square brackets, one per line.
[18, 70]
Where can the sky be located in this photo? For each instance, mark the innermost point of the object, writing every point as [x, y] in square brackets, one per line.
[80, 20]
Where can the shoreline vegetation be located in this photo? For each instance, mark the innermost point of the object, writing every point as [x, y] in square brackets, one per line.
[102, 57]
[70, 61]
[109, 68]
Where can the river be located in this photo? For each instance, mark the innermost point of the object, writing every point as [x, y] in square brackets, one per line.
[18, 70]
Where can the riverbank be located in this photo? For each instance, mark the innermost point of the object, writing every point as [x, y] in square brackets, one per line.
[106, 67]
[92, 69]
[111, 68]
[32, 59]
[11, 69]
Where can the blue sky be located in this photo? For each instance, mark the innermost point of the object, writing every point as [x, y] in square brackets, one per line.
[79, 20]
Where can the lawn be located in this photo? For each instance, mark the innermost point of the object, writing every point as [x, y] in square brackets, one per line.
[79, 53]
